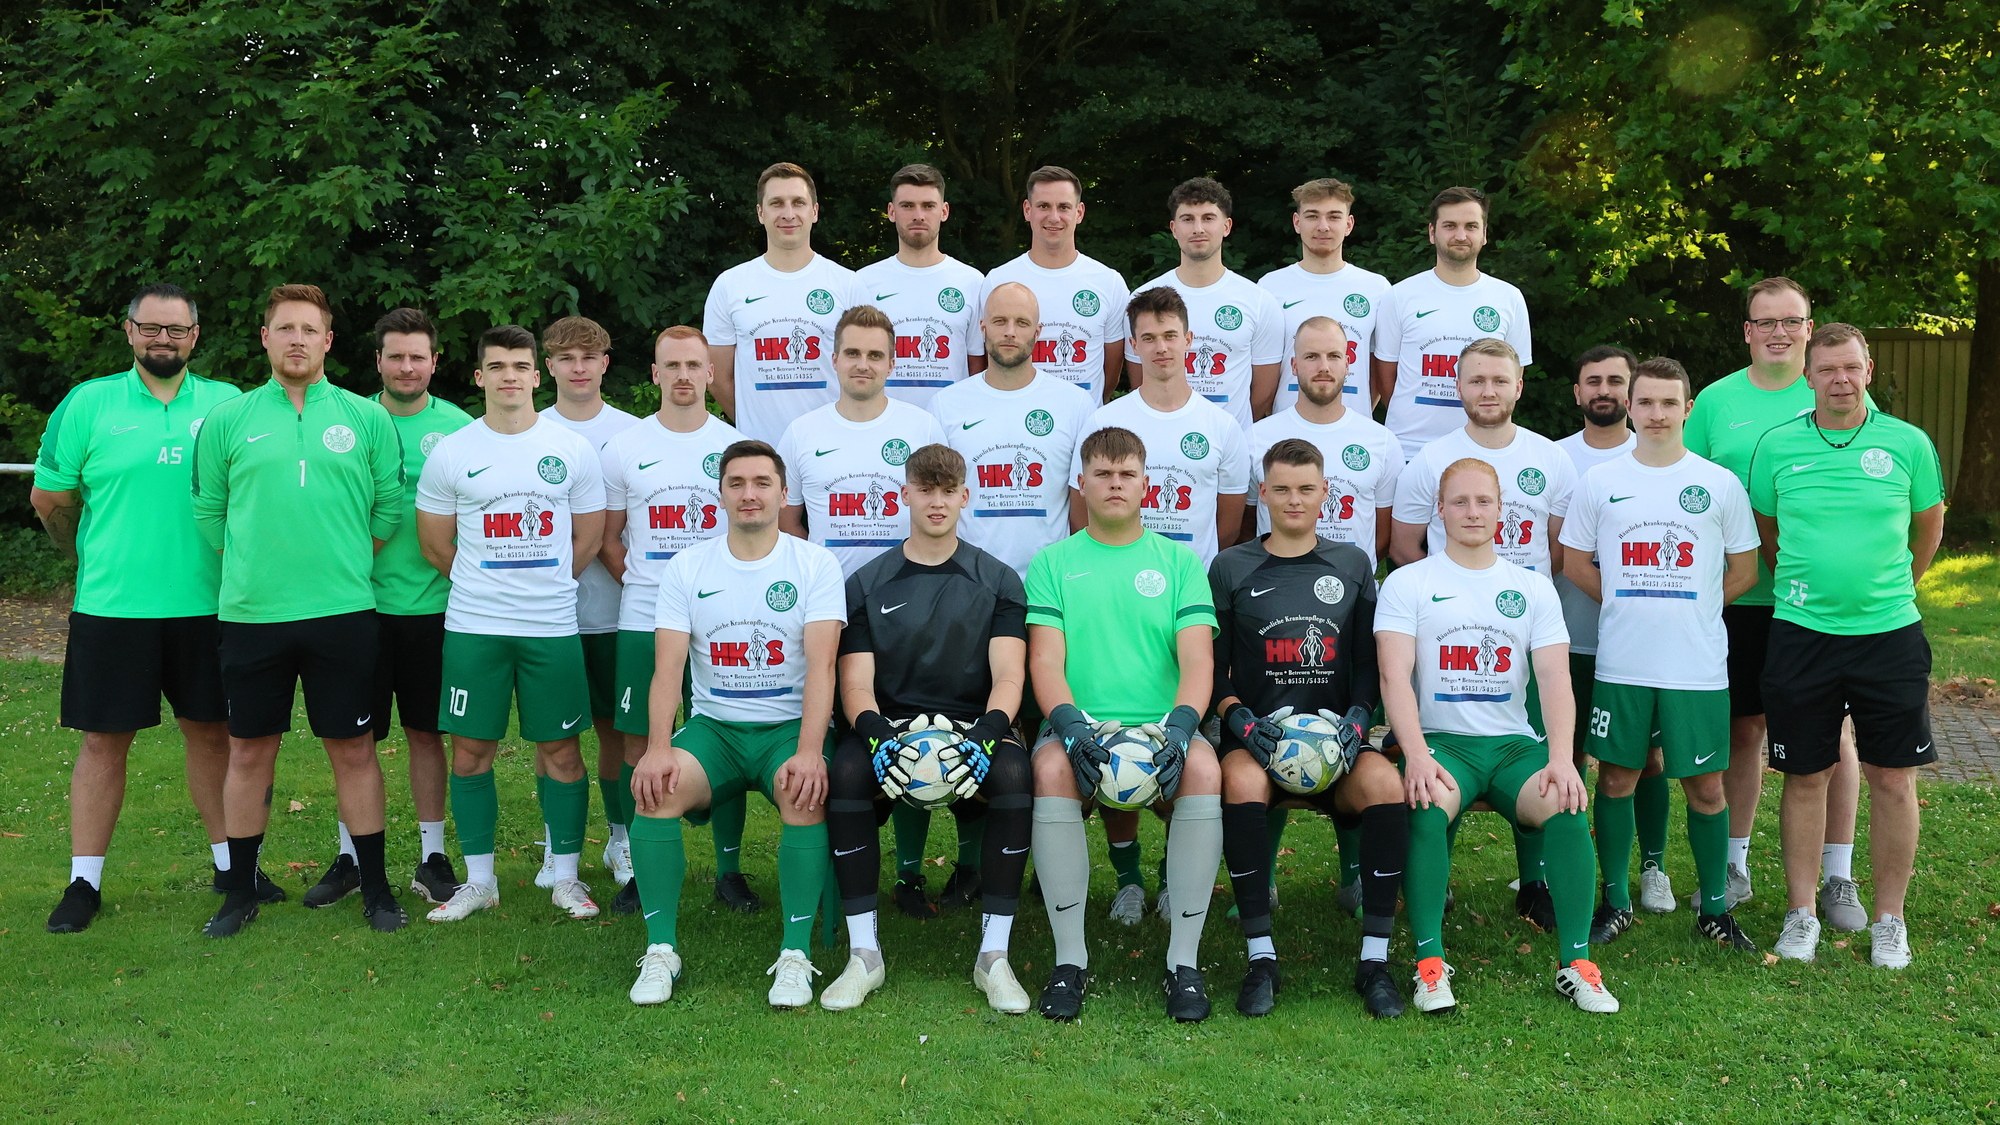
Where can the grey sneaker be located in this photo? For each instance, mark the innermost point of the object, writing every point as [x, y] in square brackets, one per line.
[1891, 939]
[1735, 890]
[1799, 940]
[1840, 901]
[1128, 906]
[1656, 891]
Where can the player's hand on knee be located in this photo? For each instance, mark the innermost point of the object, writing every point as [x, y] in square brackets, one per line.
[1561, 778]
[656, 775]
[1258, 733]
[1425, 783]
[804, 777]
[1087, 756]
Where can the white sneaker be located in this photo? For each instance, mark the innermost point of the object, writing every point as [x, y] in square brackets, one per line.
[1584, 985]
[1161, 906]
[850, 988]
[618, 861]
[1736, 888]
[1004, 994]
[1891, 938]
[1656, 891]
[658, 970]
[1799, 940]
[1433, 991]
[1129, 904]
[1840, 901]
[794, 973]
[546, 877]
[573, 895]
[466, 899]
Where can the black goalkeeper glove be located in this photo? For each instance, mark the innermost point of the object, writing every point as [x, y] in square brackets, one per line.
[885, 753]
[1175, 734]
[1087, 756]
[1353, 728]
[1258, 734]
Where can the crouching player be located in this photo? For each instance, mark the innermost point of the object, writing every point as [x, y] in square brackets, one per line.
[1451, 630]
[936, 627]
[1295, 618]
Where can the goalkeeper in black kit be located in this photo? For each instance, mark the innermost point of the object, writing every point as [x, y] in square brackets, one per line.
[1296, 636]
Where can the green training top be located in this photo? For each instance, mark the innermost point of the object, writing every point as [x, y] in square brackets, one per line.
[1729, 416]
[129, 456]
[292, 499]
[1120, 610]
[405, 584]
[1844, 519]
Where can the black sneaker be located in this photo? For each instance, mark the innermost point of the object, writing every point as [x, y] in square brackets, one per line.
[343, 878]
[910, 897]
[434, 879]
[268, 892]
[1533, 903]
[1719, 928]
[961, 890]
[1608, 923]
[733, 891]
[384, 914]
[1259, 993]
[1062, 997]
[626, 901]
[237, 911]
[80, 903]
[1378, 992]
[1187, 994]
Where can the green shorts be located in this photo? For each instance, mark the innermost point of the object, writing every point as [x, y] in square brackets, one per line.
[1582, 678]
[1532, 699]
[483, 675]
[1691, 728]
[600, 667]
[739, 757]
[632, 710]
[1489, 768]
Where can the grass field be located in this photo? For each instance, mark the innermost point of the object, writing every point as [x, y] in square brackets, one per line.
[1960, 599]
[514, 1016]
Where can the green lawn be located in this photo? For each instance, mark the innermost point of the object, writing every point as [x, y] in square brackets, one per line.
[513, 1016]
[1960, 599]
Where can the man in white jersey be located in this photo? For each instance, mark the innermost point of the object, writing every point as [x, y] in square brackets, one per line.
[1363, 460]
[769, 321]
[577, 351]
[760, 614]
[1236, 331]
[1324, 283]
[1017, 428]
[1663, 539]
[1429, 317]
[661, 481]
[1197, 468]
[1457, 634]
[524, 501]
[932, 296]
[846, 458]
[1082, 300]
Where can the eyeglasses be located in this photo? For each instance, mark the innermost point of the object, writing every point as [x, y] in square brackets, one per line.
[173, 331]
[1771, 324]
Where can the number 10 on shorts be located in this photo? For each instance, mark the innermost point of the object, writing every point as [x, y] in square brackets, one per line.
[456, 700]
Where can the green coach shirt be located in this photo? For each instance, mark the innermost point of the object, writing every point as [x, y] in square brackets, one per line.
[294, 498]
[129, 456]
[1729, 417]
[1120, 610]
[405, 583]
[1844, 519]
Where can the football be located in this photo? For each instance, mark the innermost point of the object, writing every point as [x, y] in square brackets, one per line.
[927, 757]
[1128, 780]
[1308, 759]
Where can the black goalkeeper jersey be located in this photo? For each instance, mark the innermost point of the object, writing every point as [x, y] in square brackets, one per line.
[1295, 632]
[928, 628]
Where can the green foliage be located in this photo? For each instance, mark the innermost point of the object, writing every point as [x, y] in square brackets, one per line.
[30, 565]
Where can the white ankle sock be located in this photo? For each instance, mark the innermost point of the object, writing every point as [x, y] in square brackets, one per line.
[89, 868]
[1739, 852]
[566, 865]
[218, 854]
[995, 931]
[347, 842]
[1836, 861]
[861, 932]
[430, 836]
[479, 869]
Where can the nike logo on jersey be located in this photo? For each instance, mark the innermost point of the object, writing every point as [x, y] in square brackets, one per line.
[824, 452]
[1702, 759]
[1740, 425]
[1018, 851]
[476, 472]
[115, 430]
[889, 609]
[1067, 577]
[884, 296]
[572, 722]
[1804, 467]
[838, 852]
[1442, 597]
[1262, 592]
[706, 593]
[1422, 315]
[1300, 301]
[754, 300]
[1071, 906]
[969, 425]
[1620, 499]
[644, 465]
[259, 437]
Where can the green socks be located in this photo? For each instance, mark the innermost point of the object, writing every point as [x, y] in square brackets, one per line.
[565, 806]
[1125, 861]
[475, 805]
[1426, 874]
[659, 863]
[1614, 849]
[1528, 857]
[1349, 839]
[971, 842]
[1274, 832]
[1570, 864]
[802, 867]
[1651, 808]
[616, 789]
[1708, 837]
[913, 828]
[725, 820]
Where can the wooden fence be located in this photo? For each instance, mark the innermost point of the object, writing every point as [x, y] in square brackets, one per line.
[1920, 377]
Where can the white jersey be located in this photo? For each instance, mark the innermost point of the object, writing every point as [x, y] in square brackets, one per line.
[667, 485]
[597, 593]
[1662, 536]
[936, 310]
[1193, 455]
[1083, 317]
[1233, 325]
[781, 325]
[1579, 611]
[514, 496]
[1363, 463]
[1350, 295]
[1535, 483]
[1425, 324]
[746, 624]
[849, 477]
[1476, 632]
[1017, 447]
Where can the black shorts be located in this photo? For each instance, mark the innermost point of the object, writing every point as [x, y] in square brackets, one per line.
[117, 668]
[264, 662]
[1815, 679]
[1749, 628]
[409, 671]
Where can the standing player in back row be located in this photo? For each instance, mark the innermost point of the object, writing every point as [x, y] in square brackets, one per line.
[770, 320]
[1082, 300]
[932, 297]
[1430, 317]
[1235, 329]
[1323, 283]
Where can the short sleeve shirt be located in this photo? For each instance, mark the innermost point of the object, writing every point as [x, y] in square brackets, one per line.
[1017, 447]
[1476, 632]
[849, 477]
[597, 593]
[1352, 297]
[667, 484]
[1729, 417]
[936, 312]
[1426, 325]
[1535, 481]
[1083, 314]
[406, 584]
[781, 325]
[746, 624]
[928, 628]
[1193, 455]
[1579, 611]
[1233, 325]
[1363, 463]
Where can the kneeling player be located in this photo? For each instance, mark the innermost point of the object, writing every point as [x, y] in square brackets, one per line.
[1295, 616]
[760, 613]
[1460, 715]
[1120, 626]
[935, 627]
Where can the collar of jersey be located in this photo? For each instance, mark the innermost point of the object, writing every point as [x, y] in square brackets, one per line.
[315, 390]
[137, 384]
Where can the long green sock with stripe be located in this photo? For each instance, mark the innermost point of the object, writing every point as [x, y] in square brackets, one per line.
[1125, 862]
[1708, 838]
[802, 867]
[913, 830]
[725, 822]
[1650, 808]
[475, 805]
[1571, 863]
[565, 806]
[1426, 874]
[659, 863]
[1614, 849]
